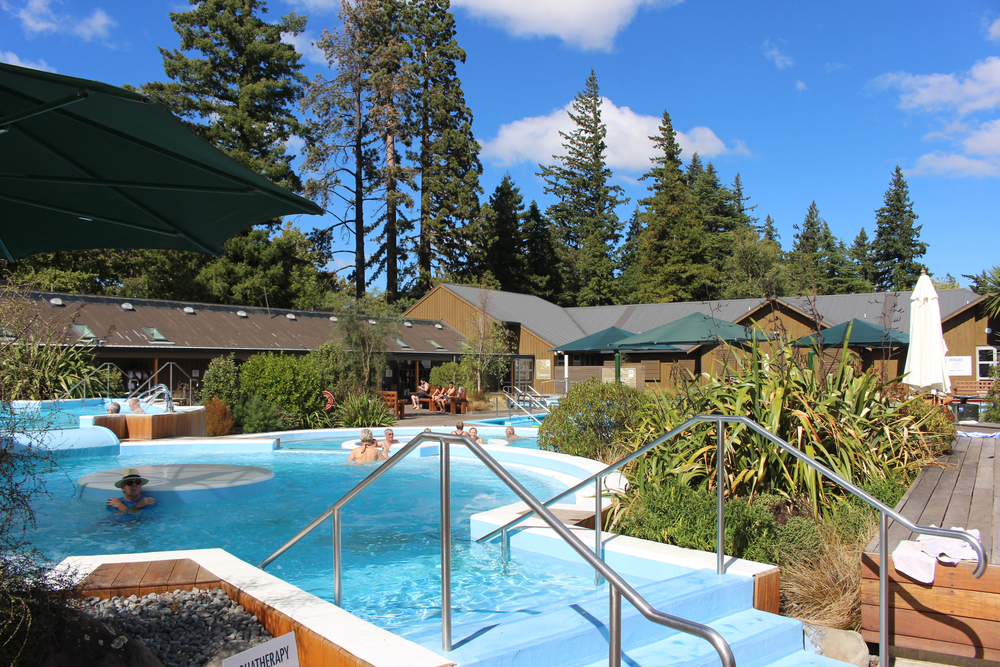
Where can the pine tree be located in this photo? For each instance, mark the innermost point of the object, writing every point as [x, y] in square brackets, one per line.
[769, 231]
[896, 247]
[673, 249]
[719, 215]
[808, 257]
[543, 275]
[445, 155]
[240, 94]
[629, 272]
[586, 225]
[861, 254]
[505, 258]
[739, 201]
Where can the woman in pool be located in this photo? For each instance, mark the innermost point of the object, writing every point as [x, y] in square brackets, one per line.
[474, 434]
[133, 501]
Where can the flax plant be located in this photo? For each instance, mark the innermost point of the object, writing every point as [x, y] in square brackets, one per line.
[843, 419]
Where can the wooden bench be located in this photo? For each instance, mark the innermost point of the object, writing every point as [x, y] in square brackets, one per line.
[458, 403]
[979, 388]
[426, 400]
[397, 406]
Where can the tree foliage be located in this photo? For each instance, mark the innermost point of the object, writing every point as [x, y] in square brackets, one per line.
[486, 343]
[897, 247]
[586, 225]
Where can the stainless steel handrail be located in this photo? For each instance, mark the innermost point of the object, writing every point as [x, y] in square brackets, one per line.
[885, 511]
[618, 586]
[149, 381]
[107, 365]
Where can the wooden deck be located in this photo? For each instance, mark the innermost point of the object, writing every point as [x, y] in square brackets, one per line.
[958, 615]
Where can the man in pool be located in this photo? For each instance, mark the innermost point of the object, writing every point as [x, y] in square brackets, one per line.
[114, 408]
[368, 451]
[510, 433]
[135, 406]
[389, 441]
[133, 501]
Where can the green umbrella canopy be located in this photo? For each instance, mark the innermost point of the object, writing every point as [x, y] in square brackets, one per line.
[602, 340]
[86, 165]
[695, 329]
[858, 333]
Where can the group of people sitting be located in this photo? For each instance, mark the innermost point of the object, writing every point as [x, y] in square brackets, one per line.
[440, 397]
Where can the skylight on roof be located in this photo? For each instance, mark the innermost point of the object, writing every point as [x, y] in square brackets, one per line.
[83, 331]
[439, 346]
[403, 345]
[154, 335]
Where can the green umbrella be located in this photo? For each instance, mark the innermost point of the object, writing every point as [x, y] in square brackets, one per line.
[858, 333]
[602, 340]
[695, 329]
[86, 165]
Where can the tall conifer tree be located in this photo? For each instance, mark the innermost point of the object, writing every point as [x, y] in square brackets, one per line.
[543, 276]
[897, 247]
[586, 225]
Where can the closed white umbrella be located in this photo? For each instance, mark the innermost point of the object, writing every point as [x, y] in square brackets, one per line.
[925, 360]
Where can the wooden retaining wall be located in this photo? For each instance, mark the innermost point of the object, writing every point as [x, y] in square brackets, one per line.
[155, 426]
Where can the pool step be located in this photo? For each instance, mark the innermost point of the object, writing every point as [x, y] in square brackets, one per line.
[574, 633]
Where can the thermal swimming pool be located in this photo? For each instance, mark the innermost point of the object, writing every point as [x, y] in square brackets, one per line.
[391, 542]
[66, 414]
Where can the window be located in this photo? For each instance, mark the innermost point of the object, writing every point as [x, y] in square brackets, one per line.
[154, 335]
[523, 373]
[986, 358]
[437, 345]
[84, 332]
[401, 344]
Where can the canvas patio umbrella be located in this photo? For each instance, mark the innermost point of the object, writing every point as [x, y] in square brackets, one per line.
[925, 360]
[858, 333]
[602, 340]
[87, 165]
[695, 329]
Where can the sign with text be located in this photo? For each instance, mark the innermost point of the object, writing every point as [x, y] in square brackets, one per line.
[959, 365]
[543, 369]
[279, 652]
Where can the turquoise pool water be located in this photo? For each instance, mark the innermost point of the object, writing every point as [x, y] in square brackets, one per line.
[67, 414]
[391, 542]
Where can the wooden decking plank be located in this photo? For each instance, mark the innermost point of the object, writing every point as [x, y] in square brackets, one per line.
[939, 627]
[158, 573]
[995, 558]
[103, 577]
[914, 506]
[205, 577]
[954, 602]
[185, 572]
[970, 464]
[937, 505]
[984, 497]
[958, 576]
[129, 580]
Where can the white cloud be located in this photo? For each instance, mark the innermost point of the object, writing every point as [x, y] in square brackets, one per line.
[537, 139]
[833, 67]
[38, 17]
[588, 24]
[993, 32]
[304, 44]
[977, 90]
[771, 52]
[985, 140]
[944, 164]
[800, 85]
[12, 59]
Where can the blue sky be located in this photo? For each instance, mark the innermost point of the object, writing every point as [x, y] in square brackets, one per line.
[806, 101]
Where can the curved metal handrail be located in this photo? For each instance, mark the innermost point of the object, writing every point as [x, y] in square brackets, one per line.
[107, 365]
[884, 510]
[618, 586]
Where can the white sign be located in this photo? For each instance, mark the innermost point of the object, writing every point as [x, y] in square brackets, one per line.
[959, 365]
[543, 369]
[279, 652]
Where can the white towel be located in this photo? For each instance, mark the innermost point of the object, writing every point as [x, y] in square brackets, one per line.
[910, 559]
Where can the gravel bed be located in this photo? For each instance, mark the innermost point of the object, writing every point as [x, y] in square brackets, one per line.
[183, 628]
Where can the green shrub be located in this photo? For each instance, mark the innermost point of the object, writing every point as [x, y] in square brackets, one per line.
[592, 420]
[992, 403]
[291, 382]
[933, 422]
[338, 372]
[256, 414]
[799, 540]
[222, 380]
[362, 409]
[450, 372]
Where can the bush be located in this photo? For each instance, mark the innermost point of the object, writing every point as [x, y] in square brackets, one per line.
[222, 380]
[256, 414]
[932, 422]
[450, 372]
[218, 420]
[992, 402]
[592, 421]
[362, 409]
[290, 382]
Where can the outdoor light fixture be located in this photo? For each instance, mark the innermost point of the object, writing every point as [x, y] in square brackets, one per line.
[333, 318]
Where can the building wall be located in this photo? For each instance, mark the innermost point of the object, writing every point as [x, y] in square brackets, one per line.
[967, 331]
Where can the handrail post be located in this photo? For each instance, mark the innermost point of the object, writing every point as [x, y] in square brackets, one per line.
[337, 565]
[445, 546]
[720, 528]
[883, 591]
[598, 551]
[614, 627]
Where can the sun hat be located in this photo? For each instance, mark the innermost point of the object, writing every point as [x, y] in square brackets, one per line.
[129, 475]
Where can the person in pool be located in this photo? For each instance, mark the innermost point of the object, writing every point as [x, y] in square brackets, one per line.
[510, 433]
[133, 501]
[474, 434]
[459, 429]
[135, 406]
[114, 408]
[389, 441]
[368, 451]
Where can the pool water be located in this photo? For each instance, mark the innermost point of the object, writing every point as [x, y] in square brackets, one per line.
[67, 414]
[391, 543]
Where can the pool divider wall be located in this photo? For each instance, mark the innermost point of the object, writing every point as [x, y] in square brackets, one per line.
[185, 421]
[70, 441]
[325, 634]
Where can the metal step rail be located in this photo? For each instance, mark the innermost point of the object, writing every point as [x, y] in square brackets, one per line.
[533, 400]
[150, 381]
[156, 392]
[618, 587]
[106, 366]
[512, 402]
[885, 512]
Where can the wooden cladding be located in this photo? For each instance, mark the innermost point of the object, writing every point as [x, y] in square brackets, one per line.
[155, 426]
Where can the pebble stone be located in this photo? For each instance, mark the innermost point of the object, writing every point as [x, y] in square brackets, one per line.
[182, 628]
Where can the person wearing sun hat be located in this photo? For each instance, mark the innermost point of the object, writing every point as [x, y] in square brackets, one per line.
[131, 486]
